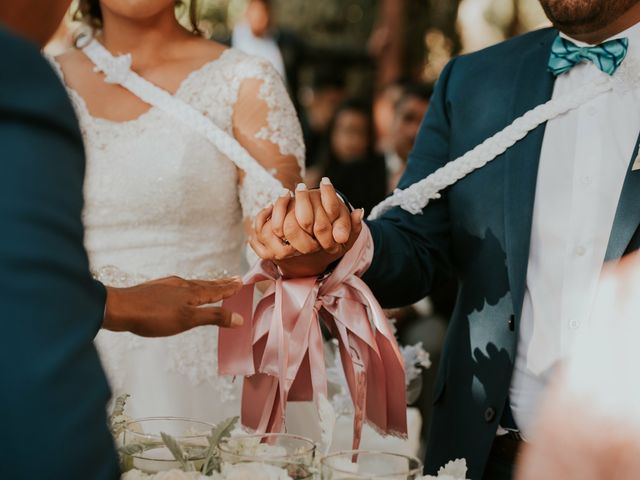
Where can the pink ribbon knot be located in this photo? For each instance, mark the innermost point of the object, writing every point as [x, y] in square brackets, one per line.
[280, 351]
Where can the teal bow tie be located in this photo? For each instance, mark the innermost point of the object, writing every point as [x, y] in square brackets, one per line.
[607, 56]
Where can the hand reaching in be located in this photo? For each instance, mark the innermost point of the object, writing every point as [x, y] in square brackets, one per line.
[169, 306]
[306, 233]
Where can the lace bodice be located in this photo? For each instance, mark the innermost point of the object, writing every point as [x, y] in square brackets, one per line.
[161, 200]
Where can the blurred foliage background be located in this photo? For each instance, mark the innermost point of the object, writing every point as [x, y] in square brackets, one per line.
[419, 35]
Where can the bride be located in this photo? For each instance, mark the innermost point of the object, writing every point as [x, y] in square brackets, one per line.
[160, 198]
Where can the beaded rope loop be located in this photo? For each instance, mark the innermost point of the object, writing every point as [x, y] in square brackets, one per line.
[414, 198]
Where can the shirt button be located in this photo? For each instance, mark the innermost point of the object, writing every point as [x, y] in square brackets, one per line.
[592, 111]
[574, 324]
[489, 414]
[580, 251]
[586, 180]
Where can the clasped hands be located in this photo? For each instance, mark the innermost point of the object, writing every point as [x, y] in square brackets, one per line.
[304, 233]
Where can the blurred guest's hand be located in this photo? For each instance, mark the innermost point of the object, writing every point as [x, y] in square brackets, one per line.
[169, 306]
[573, 441]
[589, 422]
[306, 234]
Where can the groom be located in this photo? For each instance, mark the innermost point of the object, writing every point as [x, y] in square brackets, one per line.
[525, 236]
[53, 392]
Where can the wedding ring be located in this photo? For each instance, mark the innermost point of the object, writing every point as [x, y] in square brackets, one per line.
[285, 242]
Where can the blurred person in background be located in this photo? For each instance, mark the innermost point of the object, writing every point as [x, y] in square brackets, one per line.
[257, 35]
[595, 395]
[349, 157]
[409, 110]
[384, 103]
[320, 102]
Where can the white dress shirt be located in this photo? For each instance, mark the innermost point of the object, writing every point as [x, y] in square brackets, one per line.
[584, 159]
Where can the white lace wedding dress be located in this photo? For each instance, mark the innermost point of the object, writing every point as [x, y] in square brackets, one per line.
[161, 200]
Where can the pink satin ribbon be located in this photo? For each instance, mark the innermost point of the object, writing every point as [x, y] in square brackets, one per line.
[279, 349]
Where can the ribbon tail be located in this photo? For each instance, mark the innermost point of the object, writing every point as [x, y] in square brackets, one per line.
[235, 345]
[359, 404]
[260, 390]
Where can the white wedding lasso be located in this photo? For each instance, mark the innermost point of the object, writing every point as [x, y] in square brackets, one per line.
[414, 198]
[118, 71]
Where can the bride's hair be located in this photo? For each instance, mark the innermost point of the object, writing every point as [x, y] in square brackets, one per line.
[89, 12]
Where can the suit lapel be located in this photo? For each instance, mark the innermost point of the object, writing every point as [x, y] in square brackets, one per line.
[534, 86]
[627, 216]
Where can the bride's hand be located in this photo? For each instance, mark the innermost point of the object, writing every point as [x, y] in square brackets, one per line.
[169, 306]
[319, 214]
[306, 234]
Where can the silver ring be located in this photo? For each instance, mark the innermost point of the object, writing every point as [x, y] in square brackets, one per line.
[285, 242]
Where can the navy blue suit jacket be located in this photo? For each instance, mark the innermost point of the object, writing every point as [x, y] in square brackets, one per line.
[53, 390]
[479, 233]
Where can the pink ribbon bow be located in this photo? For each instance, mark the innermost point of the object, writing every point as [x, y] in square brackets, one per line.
[279, 349]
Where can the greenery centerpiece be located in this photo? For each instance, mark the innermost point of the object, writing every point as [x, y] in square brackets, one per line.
[171, 448]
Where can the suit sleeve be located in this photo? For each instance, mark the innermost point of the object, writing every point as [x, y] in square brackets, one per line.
[54, 391]
[412, 252]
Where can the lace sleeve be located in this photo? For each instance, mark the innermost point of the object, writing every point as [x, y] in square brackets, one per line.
[266, 124]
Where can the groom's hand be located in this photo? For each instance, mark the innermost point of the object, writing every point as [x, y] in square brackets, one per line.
[306, 234]
[169, 306]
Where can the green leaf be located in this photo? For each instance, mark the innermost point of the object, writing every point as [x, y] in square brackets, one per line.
[120, 405]
[133, 448]
[223, 430]
[195, 452]
[117, 427]
[139, 447]
[176, 450]
[218, 433]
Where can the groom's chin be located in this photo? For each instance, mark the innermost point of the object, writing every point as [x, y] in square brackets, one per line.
[581, 17]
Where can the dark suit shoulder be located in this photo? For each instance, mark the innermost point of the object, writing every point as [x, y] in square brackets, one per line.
[31, 88]
[479, 89]
[497, 63]
[508, 51]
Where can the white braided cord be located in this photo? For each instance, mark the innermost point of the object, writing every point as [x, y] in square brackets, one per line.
[118, 71]
[414, 198]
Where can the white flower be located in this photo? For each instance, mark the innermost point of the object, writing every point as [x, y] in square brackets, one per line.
[415, 359]
[252, 447]
[134, 475]
[253, 471]
[454, 470]
[328, 421]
